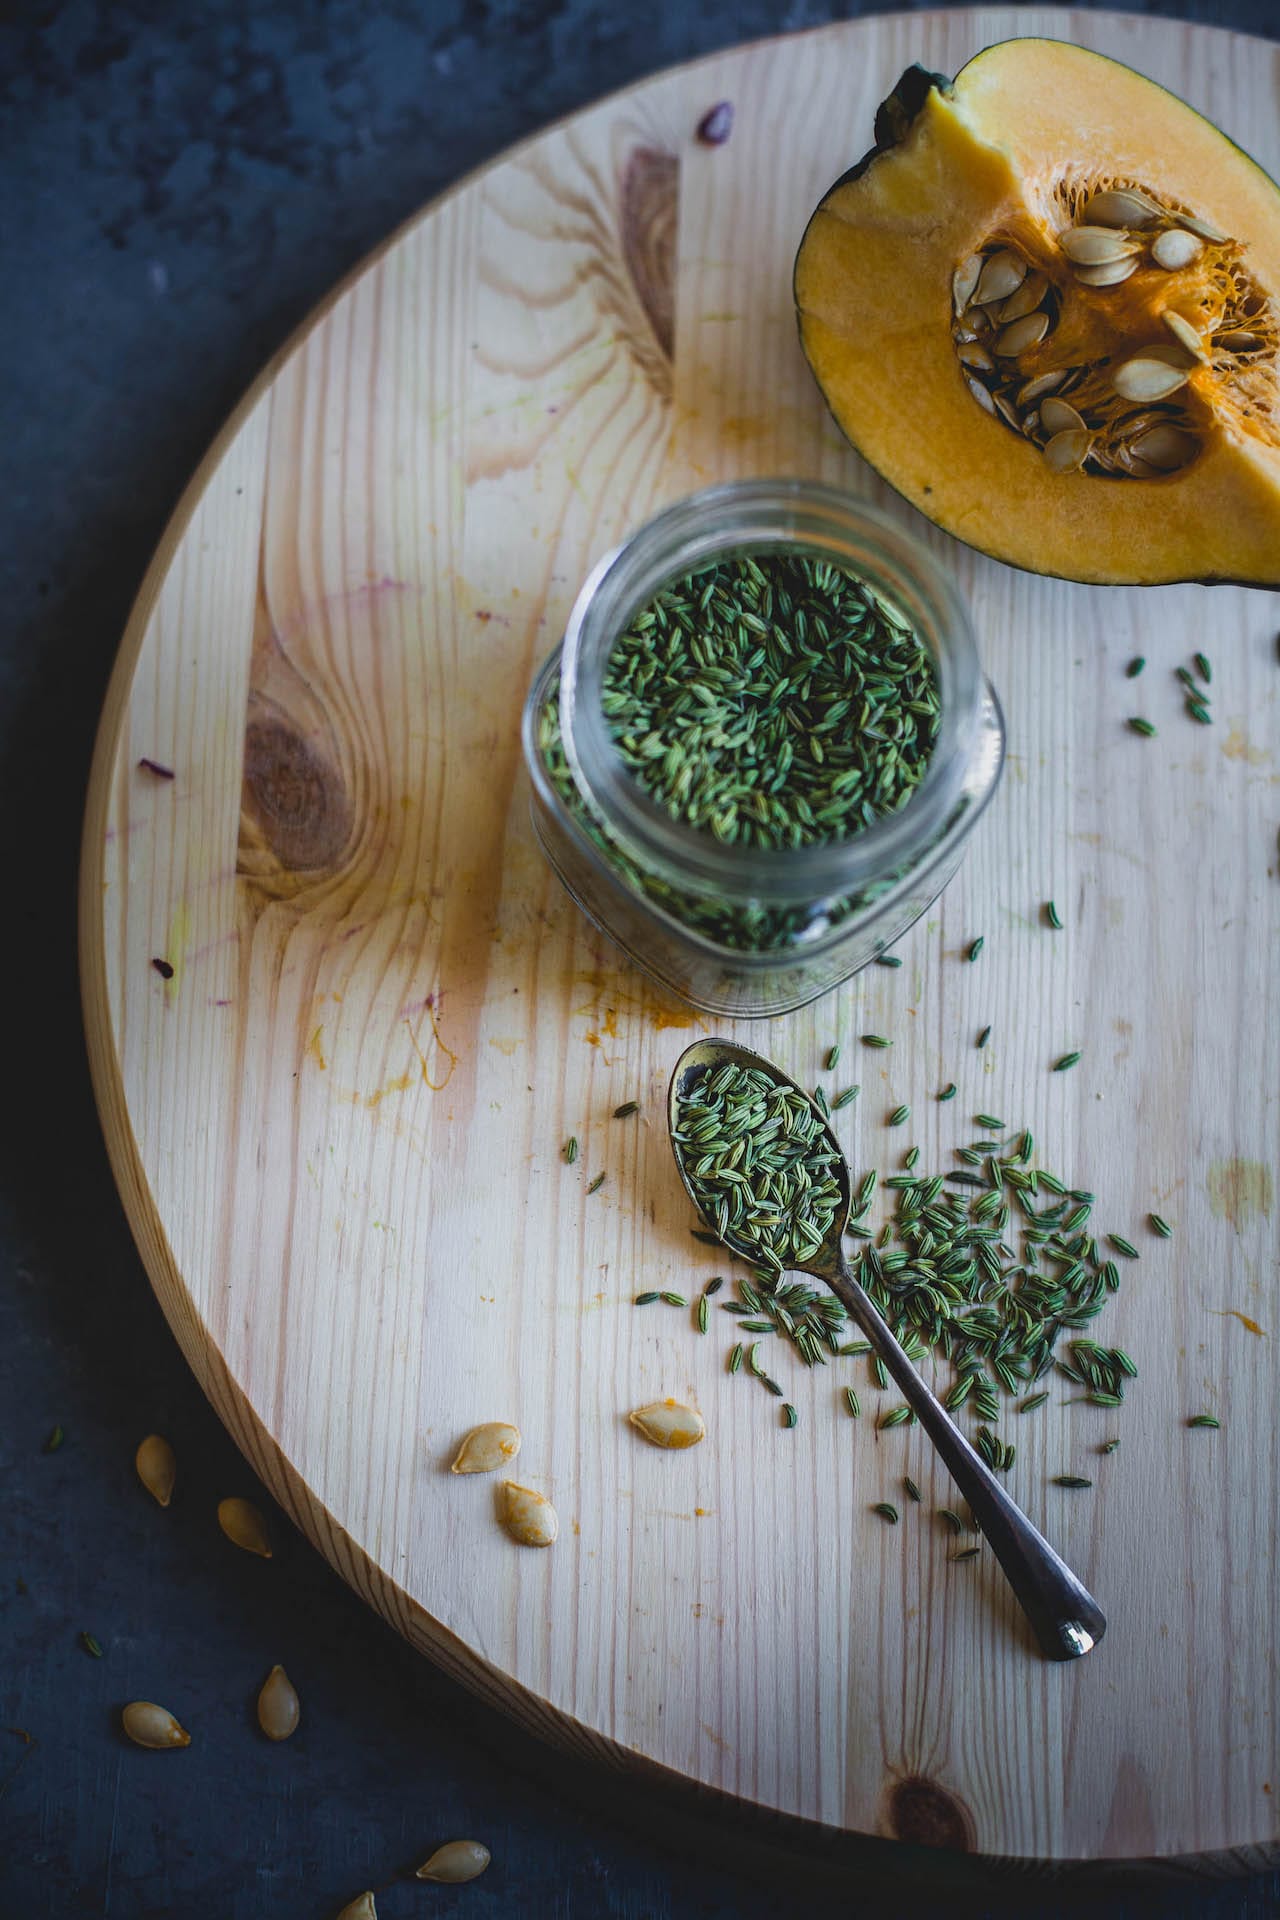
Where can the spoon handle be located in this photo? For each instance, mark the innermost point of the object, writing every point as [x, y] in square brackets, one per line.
[1068, 1621]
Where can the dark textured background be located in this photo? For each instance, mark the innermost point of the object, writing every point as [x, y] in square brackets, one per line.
[180, 184]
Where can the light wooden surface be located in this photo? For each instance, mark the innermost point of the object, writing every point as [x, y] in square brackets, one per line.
[337, 1129]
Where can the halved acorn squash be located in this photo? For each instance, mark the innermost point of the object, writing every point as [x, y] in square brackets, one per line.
[1045, 308]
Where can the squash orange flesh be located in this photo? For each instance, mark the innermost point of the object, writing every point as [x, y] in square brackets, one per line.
[988, 160]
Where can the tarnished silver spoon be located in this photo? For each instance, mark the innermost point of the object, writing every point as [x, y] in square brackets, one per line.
[1067, 1620]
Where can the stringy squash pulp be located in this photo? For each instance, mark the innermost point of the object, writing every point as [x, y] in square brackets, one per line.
[1045, 309]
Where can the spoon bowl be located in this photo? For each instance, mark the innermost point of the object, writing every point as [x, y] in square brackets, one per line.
[1065, 1617]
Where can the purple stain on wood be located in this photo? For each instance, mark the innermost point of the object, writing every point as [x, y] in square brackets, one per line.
[647, 217]
[920, 1811]
[163, 968]
[296, 796]
[715, 127]
[154, 767]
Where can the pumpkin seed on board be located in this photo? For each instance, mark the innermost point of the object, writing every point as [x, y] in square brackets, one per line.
[665, 1423]
[527, 1515]
[487, 1448]
[148, 1725]
[455, 1862]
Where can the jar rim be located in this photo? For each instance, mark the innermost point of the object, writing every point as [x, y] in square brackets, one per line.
[741, 517]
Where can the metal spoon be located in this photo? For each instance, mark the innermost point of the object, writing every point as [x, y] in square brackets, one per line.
[1067, 1620]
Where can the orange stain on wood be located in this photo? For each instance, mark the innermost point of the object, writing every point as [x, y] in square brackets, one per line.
[1236, 747]
[436, 1086]
[314, 1049]
[1234, 1313]
[1240, 1188]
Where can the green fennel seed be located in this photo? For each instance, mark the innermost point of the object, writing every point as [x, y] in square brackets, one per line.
[984, 1036]
[703, 1313]
[952, 1519]
[986, 1120]
[843, 1099]
[1203, 1420]
[646, 1299]
[898, 1115]
[673, 1299]
[1135, 667]
[596, 1184]
[1144, 727]
[1052, 915]
[833, 1057]
[625, 1111]
[1203, 668]
[888, 960]
[571, 1149]
[965, 1553]
[735, 1358]
[949, 1091]
[91, 1645]
[910, 1488]
[875, 1040]
[1160, 1225]
[789, 1415]
[887, 1511]
[1121, 1245]
[1073, 1480]
[975, 947]
[1064, 1061]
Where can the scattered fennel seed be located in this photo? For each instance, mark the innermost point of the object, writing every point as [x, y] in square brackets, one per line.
[888, 960]
[895, 1417]
[1064, 1061]
[975, 947]
[1073, 1480]
[53, 1440]
[735, 1358]
[91, 1645]
[887, 1511]
[1203, 668]
[596, 1184]
[646, 1299]
[843, 1099]
[673, 1299]
[820, 1102]
[713, 1285]
[1160, 1225]
[704, 1310]
[1052, 915]
[571, 1150]
[1203, 1420]
[1032, 1401]
[1198, 711]
[949, 1091]
[952, 1519]
[875, 1040]
[898, 1115]
[625, 1111]
[852, 1401]
[910, 1488]
[1135, 667]
[833, 1057]
[771, 1385]
[965, 1553]
[984, 1036]
[1121, 1245]
[789, 1415]
[1108, 1446]
[990, 1122]
[1144, 727]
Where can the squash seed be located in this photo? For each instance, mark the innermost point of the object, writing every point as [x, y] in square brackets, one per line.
[1237, 340]
[1176, 248]
[1110, 274]
[972, 354]
[1119, 207]
[157, 1467]
[361, 1908]
[1164, 447]
[1024, 333]
[964, 280]
[1095, 246]
[1148, 378]
[1059, 416]
[1205, 228]
[528, 1517]
[1007, 411]
[487, 1448]
[148, 1725]
[278, 1708]
[667, 1424]
[1042, 384]
[456, 1861]
[1025, 300]
[244, 1526]
[1001, 275]
[979, 393]
[1185, 334]
[1068, 451]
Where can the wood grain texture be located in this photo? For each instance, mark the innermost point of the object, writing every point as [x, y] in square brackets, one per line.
[337, 1127]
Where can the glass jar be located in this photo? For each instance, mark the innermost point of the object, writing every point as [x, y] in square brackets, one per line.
[728, 928]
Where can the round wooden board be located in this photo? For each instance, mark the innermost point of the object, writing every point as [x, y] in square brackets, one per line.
[338, 1126]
